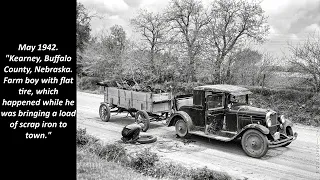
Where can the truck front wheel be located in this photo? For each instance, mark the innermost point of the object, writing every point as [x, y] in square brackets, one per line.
[254, 143]
[289, 132]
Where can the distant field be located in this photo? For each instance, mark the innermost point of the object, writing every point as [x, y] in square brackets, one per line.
[287, 80]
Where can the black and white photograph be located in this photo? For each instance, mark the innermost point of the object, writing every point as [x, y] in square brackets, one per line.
[161, 90]
[198, 89]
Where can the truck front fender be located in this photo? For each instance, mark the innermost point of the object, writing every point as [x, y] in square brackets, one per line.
[259, 127]
[286, 124]
[105, 103]
[180, 115]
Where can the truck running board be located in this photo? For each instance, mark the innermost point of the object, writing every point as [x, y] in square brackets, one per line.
[211, 136]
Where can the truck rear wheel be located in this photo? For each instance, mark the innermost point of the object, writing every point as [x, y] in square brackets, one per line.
[181, 128]
[254, 143]
[143, 117]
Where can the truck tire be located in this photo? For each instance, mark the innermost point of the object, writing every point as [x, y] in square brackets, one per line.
[254, 143]
[104, 112]
[143, 117]
[181, 128]
[145, 139]
[289, 132]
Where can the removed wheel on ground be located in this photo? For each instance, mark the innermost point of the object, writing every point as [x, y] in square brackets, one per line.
[143, 117]
[145, 139]
[104, 112]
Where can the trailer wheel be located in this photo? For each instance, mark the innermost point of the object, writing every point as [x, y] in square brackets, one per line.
[143, 117]
[104, 112]
[145, 139]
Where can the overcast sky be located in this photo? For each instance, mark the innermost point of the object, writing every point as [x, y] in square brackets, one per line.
[289, 20]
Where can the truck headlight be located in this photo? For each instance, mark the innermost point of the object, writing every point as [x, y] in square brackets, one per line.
[268, 122]
[268, 119]
[282, 119]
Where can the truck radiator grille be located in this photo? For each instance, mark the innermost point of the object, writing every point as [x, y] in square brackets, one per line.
[274, 118]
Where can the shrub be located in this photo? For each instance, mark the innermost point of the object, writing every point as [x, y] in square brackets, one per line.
[88, 83]
[144, 160]
[207, 174]
[316, 99]
[283, 94]
[113, 152]
[83, 138]
[316, 119]
[301, 107]
[148, 163]
[172, 171]
[110, 152]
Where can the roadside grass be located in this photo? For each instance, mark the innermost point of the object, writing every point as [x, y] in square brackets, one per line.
[90, 166]
[98, 161]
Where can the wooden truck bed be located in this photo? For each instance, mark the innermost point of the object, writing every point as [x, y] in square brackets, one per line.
[150, 102]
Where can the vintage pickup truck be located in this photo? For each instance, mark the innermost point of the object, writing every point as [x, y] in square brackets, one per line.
[222, 112]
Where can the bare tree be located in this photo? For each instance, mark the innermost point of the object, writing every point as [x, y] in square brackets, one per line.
[188, 19]
[250, 67]
[243, 66]
[306, 57]
[152, 27]
[264, 69]
[232, 22]
[83, 26]
[116, 40]
[104, 53]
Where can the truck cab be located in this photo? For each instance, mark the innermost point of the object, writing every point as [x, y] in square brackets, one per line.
[223, 112]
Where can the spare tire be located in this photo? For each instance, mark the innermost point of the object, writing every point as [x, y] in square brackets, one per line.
[145, 139]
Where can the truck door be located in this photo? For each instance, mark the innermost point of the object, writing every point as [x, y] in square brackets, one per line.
[214, 112]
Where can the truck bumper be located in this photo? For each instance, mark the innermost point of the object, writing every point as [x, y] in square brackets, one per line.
[278, 143]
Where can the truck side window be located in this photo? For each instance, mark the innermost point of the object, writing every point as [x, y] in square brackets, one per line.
[214, 101]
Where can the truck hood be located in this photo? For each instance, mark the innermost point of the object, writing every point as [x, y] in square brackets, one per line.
[251, 109]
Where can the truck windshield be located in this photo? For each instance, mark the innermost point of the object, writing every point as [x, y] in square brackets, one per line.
[238, 100]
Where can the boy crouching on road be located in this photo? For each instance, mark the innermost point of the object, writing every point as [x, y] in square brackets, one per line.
[130, 133]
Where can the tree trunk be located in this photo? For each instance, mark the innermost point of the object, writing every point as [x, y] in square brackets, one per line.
[192, 72]
[228, 75]
[218, 70]
[263, 80]
[152, 60]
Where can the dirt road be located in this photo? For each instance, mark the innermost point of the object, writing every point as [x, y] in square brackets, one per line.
[300, 160]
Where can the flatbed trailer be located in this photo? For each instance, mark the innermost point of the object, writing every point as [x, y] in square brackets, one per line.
[145, 107]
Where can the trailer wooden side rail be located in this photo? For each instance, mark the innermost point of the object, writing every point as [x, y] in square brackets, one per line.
[143, 106]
